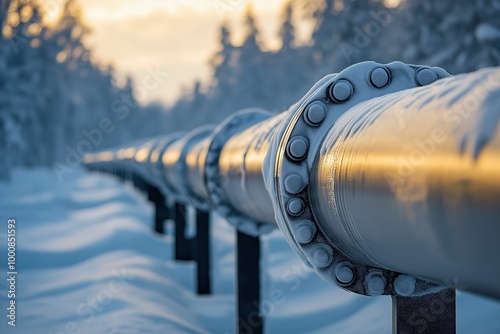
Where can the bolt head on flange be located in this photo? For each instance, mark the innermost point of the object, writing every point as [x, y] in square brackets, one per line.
[295, 206]
[297, 148]
[315, 113]
[404, 285]
[341, 91]
[426, 76]
[375, 283]
[321, 255]
[294, 183]
[379, 77]
[305, 231]
[344, 273]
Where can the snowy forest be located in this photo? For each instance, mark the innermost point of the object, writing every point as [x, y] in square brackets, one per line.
[53, 93]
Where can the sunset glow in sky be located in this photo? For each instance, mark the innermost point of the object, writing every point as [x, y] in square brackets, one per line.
[176, 36]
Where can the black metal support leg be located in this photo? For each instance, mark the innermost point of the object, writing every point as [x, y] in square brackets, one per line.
[161, 210]
[249, 319]
[137, 182]
[428, 314]
[182, 244]
[202, 251]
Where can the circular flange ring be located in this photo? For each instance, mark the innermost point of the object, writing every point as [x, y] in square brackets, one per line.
[155, 160]
[297, 144]
[214, 181]
[185, 193]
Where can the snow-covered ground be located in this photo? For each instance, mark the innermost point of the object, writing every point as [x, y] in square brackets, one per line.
[88, 262]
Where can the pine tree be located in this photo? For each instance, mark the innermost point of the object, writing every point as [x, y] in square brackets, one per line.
[251, 88]
[287, 31]
[346, 33]
[253, 41]
[460, 36]
[289, 80]
[224, 75]
[57, 92]
[22, 68]
[5, 117]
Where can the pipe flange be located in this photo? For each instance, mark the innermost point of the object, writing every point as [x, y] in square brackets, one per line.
[155, 159]
[186, 194]
[141, 158]
[297, 143]
[215, 182]
[129, 155]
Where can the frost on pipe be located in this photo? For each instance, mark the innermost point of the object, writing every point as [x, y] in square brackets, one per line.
[175, 166]
[233, 171]
[291, 158]
[103, 159]
[155, 161]
[411, 181]
[142, 156]
[324, 164]
[195, 163]
[125, 156]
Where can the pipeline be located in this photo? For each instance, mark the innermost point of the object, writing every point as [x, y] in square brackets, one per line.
[384, 178]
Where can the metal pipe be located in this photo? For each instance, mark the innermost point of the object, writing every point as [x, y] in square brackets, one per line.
[241, 166]
[175, 166]
[142, 156]
[411, 182]
[156, 164]
[233, 170]
[374, 181]
[195, 172]
[331, 195]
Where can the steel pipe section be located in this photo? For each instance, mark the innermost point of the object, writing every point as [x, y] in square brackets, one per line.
[241, 161]
[384, 178]
[234, 173]
[411, 182]
[156, 164]
[125, 156]
[175, 167]
[381, 191]
[195, 168]
[142, 159]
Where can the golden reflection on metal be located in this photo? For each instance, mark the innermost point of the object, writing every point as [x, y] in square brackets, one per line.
[425, 178]
[142, 154]
[105, 156]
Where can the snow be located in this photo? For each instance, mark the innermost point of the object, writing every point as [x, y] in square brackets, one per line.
[87, 242]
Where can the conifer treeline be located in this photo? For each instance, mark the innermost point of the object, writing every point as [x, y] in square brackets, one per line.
[56, 101]
[458, 35]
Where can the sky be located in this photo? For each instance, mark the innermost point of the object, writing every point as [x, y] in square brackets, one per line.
[174, 36]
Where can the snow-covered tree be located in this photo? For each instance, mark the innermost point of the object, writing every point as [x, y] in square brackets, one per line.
[289, 69]
[51, 91]
[222, 61]
[346, 32]
[223, 65]
[252, 77]
[287, 30]
[460, 36]
[19, 32]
